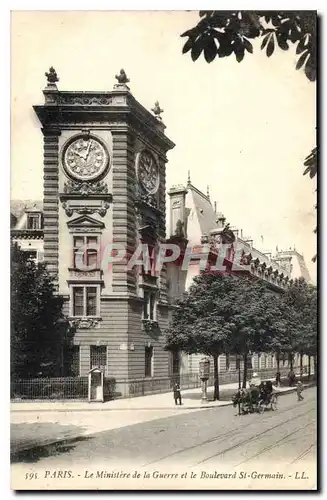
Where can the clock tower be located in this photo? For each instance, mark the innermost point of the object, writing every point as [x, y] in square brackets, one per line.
[104, 198]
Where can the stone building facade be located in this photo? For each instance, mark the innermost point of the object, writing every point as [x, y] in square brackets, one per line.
[105, 160]
[194, 222]
[104, 190]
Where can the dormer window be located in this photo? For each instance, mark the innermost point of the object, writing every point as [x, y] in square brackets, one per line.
[34, 221]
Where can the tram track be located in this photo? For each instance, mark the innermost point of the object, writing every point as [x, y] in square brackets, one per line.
[275, 444]
[304, 453]
[225, 436]
[255, 436]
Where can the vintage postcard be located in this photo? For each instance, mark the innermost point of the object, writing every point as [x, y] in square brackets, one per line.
[163, 250]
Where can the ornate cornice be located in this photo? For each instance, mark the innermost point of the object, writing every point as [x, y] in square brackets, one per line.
[27, 234]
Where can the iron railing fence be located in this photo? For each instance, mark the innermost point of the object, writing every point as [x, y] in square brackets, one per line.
[62, 388]
[57, 388]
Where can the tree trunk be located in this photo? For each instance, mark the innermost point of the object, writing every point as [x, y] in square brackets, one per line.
[245, 369]
[290, 357]
[216, 379]
[278, 360]
[309, 367]
[301, 364]
[315, 366]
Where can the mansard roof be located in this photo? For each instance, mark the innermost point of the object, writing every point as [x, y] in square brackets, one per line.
[18, 210]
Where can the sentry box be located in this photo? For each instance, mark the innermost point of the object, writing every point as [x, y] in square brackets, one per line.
[96, 385]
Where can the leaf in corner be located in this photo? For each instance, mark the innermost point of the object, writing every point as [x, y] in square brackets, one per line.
[270, 46]
[301, 60]
[187, 46]
[210, 50]
[265, 41]
[248, 45]
[197, 49]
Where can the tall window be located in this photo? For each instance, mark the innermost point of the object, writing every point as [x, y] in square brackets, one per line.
[88, 253]
[149, 305]
[98, 356]
[33, 221]
[85, 300]
[148, 361]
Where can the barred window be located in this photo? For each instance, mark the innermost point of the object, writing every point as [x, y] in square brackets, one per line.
[90, 255]
[85, 300]
[148, 361]
[98, 356]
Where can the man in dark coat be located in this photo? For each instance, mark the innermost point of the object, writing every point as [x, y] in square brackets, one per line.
[177, 394]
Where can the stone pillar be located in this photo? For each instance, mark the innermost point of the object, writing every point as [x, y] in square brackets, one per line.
[124, 217]
[51, 201]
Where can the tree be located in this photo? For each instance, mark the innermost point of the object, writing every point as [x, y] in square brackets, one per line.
[223, 314]
[39, 330]
[301, 302]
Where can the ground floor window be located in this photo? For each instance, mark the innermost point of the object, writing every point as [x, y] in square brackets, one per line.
[98, 356]
[148, 361]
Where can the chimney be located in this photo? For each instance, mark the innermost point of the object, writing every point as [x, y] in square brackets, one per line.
[177, 211]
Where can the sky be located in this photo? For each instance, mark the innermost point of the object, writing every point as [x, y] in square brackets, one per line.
[244, 128]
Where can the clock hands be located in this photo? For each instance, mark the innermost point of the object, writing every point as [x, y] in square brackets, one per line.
[87, 151]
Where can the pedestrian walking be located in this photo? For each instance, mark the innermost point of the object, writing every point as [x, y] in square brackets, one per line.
[177, 394]
[299, 389]
[292, 378]
[278, 379]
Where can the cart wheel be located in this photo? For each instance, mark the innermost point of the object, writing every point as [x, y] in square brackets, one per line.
[274, 402]
[261, 407]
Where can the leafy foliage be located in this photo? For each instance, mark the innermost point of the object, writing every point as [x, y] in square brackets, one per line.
[39, 330]
[222, 33]
[239, 315]
[301, 302]
[224, 314]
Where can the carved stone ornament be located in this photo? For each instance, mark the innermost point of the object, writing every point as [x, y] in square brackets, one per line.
[82, 100]
[157, 110]
[84, 210]
[122, 77]
[148, 199]
[84, 188]
[84, 323]
[52, 77]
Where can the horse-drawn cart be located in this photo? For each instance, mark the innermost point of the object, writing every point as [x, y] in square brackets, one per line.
[256, 398]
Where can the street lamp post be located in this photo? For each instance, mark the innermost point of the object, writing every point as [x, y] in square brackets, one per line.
[238, 357]
[204, 369]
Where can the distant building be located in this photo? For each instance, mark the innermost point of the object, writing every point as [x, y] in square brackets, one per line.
[26, 226]
[195, 222]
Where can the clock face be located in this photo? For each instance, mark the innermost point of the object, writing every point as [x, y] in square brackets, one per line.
[85, 158]
[147, 172]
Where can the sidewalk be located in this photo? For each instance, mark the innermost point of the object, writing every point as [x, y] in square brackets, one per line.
[40, 424]
[191, 400]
